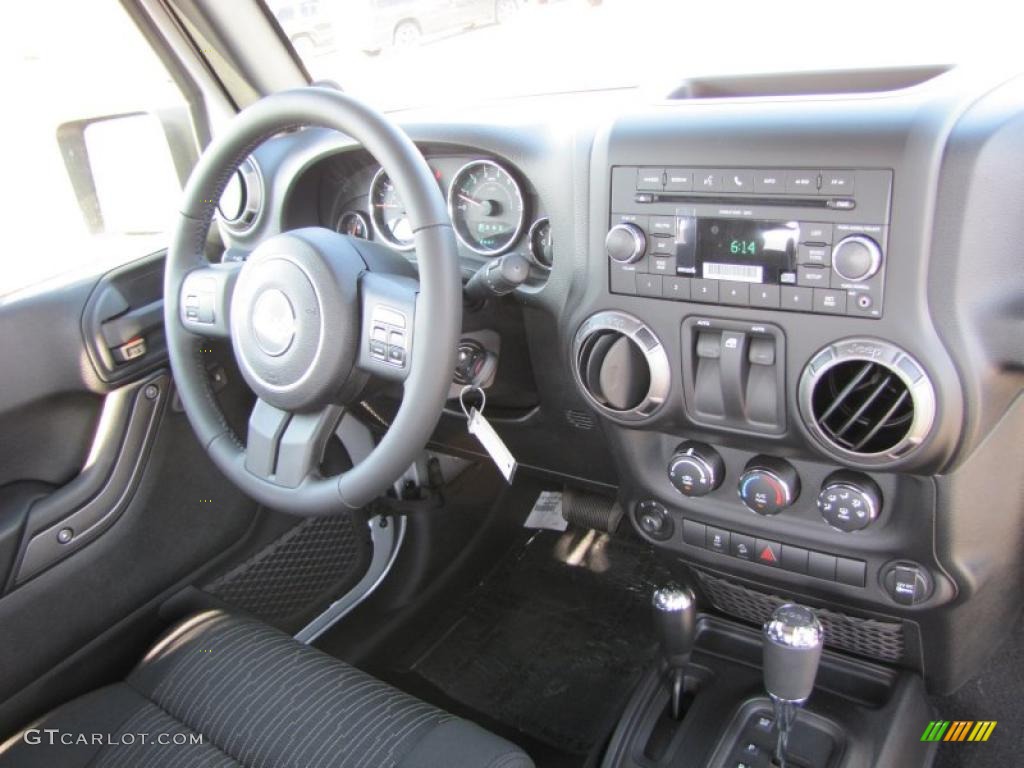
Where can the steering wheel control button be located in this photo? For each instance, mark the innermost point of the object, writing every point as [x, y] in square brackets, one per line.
[696, 469]
[849, 501]
[654, 520]
[907, 583]
[273, 322]
[388, 338]
[768, 485]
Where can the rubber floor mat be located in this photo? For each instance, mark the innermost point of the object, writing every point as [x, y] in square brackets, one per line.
[553, 641]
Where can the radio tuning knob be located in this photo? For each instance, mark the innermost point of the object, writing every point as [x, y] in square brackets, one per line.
[696, 469]
[856, 258]
[625, 243]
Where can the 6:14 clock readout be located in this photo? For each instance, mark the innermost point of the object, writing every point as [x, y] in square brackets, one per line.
[743, 247]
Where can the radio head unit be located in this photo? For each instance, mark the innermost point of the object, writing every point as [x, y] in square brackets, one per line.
[799, 248]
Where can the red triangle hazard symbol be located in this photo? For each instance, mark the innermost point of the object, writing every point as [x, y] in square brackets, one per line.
[767, 555]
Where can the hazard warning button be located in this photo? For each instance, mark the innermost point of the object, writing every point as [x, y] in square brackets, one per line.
[768, 552]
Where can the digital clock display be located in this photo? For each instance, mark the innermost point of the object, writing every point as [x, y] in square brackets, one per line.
[744, 250]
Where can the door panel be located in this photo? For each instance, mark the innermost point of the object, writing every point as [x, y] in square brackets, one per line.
[108, 503]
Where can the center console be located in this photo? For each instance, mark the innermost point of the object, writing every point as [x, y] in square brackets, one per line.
[756, 340]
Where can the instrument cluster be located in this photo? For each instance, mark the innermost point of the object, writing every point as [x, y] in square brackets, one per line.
[492, 211]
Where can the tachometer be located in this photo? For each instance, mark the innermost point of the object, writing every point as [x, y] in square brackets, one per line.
[388, 214]
[486, 206]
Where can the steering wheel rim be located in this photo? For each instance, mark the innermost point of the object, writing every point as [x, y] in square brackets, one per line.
[436, 322]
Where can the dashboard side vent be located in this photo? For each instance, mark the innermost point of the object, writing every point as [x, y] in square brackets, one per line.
[620, 366]
[867, 400]
[241, 203]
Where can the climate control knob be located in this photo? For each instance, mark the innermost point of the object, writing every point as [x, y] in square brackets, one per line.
[769, 485]
[849, 501]
[625, 243]
[696, 469]
[856, 258]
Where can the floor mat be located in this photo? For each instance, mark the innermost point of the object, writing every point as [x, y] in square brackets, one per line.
[992, 695]
[553, 640]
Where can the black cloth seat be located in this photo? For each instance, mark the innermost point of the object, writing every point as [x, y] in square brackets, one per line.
[240, 693]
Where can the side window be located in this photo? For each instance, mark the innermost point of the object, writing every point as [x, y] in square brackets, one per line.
[89, 178]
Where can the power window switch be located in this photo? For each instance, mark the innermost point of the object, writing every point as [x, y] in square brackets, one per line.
[762, 351]
[709, 345]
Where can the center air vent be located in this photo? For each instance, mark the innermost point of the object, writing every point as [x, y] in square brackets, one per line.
[620, 366]
[867, 401]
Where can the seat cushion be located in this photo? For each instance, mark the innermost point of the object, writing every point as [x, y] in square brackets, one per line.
[221, 690]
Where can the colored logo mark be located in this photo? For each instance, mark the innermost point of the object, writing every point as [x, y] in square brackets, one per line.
[958, 730]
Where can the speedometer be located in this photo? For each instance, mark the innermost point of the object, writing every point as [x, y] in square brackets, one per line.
[486, 206]
[388, 214]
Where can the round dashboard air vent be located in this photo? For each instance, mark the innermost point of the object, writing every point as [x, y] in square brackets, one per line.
[620, 366]
[867, 401]
[241, 202]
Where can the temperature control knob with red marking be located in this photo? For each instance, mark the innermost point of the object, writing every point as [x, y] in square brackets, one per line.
[769, 485]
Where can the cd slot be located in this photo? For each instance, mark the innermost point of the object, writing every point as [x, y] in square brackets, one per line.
[831, 203]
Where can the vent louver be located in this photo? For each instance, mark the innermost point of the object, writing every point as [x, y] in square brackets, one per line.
[867, 400]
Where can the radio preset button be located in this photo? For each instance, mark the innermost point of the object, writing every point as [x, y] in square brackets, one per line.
[648, 285]
[799, 299]
[677, 288]
[704, 290]
[650, 179]
[737, 294]
[764, 296]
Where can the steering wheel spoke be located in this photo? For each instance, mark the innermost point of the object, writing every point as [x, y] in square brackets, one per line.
[285, 448]
[389, 309]
[205, 299]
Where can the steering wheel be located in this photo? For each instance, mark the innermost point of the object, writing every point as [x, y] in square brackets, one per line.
[313, 317]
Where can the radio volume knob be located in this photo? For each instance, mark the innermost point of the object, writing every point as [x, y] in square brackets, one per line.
[625, 243]
[856, 258]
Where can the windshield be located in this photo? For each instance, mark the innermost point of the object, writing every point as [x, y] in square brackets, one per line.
[410, 53]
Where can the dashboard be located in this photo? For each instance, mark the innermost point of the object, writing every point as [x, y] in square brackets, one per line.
[784, 330]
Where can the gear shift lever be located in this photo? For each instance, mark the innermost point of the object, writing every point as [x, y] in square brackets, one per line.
[793, 638]
[675, 617]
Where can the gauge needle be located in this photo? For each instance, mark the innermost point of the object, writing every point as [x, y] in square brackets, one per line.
[472, 200]
[385, 205]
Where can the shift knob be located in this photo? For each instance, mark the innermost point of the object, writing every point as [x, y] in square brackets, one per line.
[793, 638]
[675, 617]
